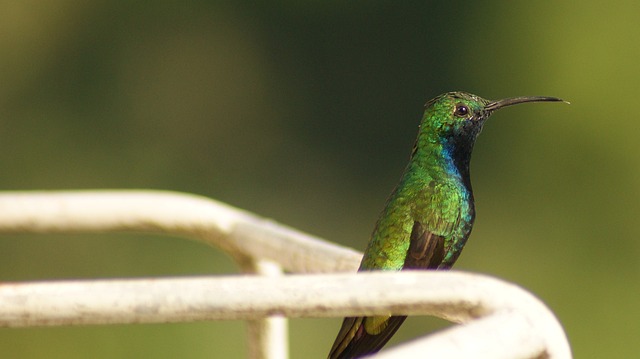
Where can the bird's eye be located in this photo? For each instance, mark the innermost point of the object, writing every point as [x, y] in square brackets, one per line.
[461, 110]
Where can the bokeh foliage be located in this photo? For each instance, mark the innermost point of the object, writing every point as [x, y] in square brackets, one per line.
[305, 112]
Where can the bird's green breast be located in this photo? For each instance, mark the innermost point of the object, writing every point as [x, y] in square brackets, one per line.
[438, 200]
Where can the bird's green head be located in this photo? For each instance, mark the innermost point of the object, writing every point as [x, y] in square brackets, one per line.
[457, 117]
[454, 115]
[452, 122]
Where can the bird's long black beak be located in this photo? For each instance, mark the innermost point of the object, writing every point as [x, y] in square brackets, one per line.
[494, 105]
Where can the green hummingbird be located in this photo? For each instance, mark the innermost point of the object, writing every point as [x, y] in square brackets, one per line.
[429, 215]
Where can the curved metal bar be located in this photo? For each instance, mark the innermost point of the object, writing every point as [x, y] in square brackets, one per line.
[501, 319]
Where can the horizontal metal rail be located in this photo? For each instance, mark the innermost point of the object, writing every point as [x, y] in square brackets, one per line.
[500, 319]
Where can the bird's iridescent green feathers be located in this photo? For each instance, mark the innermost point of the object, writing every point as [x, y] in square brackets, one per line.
[425, 221]
[433, 190]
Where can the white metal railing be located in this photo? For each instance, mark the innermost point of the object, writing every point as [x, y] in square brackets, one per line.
[500, 320]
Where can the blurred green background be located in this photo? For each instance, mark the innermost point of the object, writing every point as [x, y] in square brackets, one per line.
[306, 112]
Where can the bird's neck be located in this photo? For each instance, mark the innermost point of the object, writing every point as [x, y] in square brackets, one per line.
[443, 160]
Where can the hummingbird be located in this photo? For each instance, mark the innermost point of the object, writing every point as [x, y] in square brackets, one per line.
[429, 215]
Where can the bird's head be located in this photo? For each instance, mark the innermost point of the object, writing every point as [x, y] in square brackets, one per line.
[457, 118]
[451, 124]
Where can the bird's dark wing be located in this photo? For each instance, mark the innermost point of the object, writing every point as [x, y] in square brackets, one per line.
[426, 249]
[360, 336]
